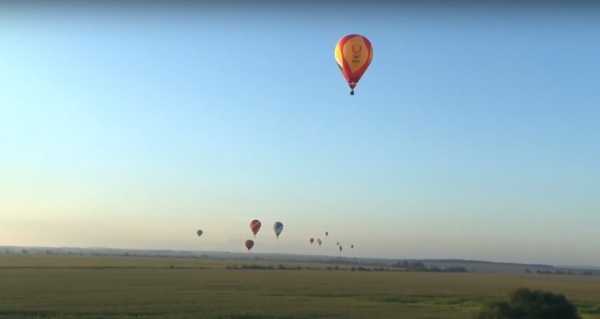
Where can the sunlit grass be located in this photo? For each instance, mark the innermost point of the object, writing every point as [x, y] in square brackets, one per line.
[59, 286]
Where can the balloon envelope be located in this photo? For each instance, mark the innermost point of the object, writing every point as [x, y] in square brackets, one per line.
[249, 244]
[353, 54]
[311, 240]
[255, 226]
[199, 232]
[278, 227]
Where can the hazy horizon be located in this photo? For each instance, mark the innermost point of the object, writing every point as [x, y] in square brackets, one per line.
[317, 255]
[472, 135]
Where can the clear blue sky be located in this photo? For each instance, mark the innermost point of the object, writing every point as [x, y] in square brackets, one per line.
[475, 133]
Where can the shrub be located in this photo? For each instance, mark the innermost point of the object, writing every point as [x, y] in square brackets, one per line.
[524, 303]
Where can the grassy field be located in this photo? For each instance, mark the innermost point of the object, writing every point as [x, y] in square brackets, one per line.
[63, 286]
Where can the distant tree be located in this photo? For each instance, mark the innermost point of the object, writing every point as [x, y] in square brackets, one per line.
[546, 272]
[434, 269]
[524, 303]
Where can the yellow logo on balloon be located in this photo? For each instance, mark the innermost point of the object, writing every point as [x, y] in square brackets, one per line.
[356, 51]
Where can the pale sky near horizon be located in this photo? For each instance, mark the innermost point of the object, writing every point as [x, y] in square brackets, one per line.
[474, 133]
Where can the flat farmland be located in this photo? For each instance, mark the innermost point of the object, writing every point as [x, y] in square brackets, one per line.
[72, 286]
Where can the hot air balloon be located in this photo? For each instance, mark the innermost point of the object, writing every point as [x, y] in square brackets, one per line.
[255, 226]
[338, 243]
[199, 232]
[326, 233]
[352, 246]
[340, 248]
[353, 54]
[249, 244]
[319, 241]
[311, 240]
[278, 227]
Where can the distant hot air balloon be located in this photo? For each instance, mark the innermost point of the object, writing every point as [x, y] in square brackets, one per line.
[319, 241]
[326, 233]
[199, 232]
[311, 240]
[353, 54]
[278, 227]
[338, 243]
[352, 246]
[255, 226]
[249, 244]
[340, 248]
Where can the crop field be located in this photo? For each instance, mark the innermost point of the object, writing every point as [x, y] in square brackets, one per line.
[71, 286]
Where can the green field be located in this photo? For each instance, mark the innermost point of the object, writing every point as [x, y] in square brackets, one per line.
[65, 286]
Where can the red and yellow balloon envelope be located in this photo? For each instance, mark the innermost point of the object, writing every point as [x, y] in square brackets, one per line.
[353, 54]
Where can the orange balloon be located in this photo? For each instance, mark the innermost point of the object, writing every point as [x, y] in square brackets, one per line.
[353, 54]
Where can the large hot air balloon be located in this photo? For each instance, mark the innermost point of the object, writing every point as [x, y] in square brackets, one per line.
[353, 54]
[199, 232]
[278, 227]
[255, 226]
[311, 240]
[249, 244]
